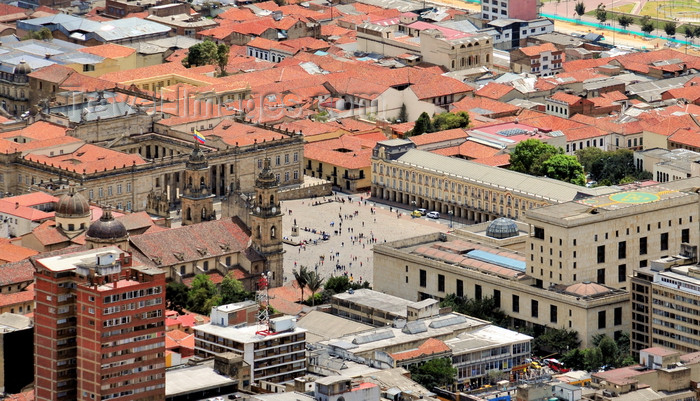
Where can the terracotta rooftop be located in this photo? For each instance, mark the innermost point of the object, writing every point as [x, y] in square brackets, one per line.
[495, 161]
[484, 106]
[193, 242]
[16, 272]
[539, 49]
[440, 136]
[89, 159]
[10, 208]
[18, 297]
[32, 199]
[566, 98]
[494, 90]
[429, 347]
[10, 252]
[109, 50]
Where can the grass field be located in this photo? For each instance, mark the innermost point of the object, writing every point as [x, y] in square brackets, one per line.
[658, 24]
[665, 9]
[625, 8]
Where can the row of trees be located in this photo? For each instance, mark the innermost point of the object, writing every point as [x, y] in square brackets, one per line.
[204, 294]
[605, 353]
[611, 167]
[541, 159]
[645, 22]
[440, 122]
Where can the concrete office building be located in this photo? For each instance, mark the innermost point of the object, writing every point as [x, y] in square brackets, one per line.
[603, 239]
[436, 265]
[666, 303]
[99, 330]
[277, 357]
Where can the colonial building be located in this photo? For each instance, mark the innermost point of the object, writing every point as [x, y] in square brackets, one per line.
[14, 87]
[197, 199]
[472, 191]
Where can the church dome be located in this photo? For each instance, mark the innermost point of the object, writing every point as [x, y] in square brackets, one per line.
[502, 227]
[72, 204]
[106, 227]
[23, 68]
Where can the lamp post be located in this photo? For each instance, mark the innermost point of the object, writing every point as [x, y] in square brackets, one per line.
[451, 213]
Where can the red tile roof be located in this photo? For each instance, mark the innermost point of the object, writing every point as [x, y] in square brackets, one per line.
[687, 137]
[493, 90]
[484, 106]
[16, 273]
[434, 85]
[10, 208]
[89, 159]
[495, 161]
[33, 199]
[10, 252]
[475, 150]
[37, 131]
[109, 50]
[24, 396]
[347, 152]
[193, 242]
[429, 347]
[18, 298]
[440, 136]
[537, 50]
[566, 98]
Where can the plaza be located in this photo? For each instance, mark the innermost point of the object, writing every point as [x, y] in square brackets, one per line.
[350, 236]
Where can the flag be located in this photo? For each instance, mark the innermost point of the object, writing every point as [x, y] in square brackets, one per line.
[199, 137]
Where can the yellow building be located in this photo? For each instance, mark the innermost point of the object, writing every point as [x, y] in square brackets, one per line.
[116, 58]
[469, 190]
[344, 161]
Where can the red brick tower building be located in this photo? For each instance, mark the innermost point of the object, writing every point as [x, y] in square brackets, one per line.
[99, 328]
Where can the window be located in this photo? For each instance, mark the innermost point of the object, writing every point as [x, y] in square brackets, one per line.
[539, 232]
[664, 241]
[622, 249]
[643, 246]
[552, 313]
[516, 303]
[601, 319]
[534, 308]
[617, 319]
[685, 235]
[477, 291]
[460, 288]
[601, 276]
[601, 253]
[441, 283]
[88, 67]
[622, 273]
[497, 298]
[206, 265]
[423, 278]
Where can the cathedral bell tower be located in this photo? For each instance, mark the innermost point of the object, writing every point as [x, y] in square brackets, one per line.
[266, 224]
[197, 199]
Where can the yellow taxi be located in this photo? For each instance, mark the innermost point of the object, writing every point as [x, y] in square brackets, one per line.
[416, 213]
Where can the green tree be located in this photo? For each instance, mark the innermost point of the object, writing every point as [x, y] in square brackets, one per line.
[601, 14]
[302, 278]
[445, 121]
[588, 156]
[403, 113]
[337, 284]
[423, 125]
[434, 373]
[609, 351]
[176, 295]
[697, 31]
[580, 9]
[231, 290]
[564, 168]
[614, 166]
[207, 53]
[484, 308]
[592, 359]
[646, 24]
[314, 282]
[222, 52]
[557, 340]
[625, 21]
[528, 156]
[670, 28]
[202, 295]
[42, 34]
[574, 359]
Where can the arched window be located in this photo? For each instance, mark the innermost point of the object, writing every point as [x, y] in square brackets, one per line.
[204, 213]
[201, 182]
[189, 214]
[273, 232]
[462, 62]
[71, 227]
[272, 200]
[259, 200]
[190, 181]
[259, 232]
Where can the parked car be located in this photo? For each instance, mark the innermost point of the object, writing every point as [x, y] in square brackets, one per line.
[423, 211]
[416, 213]
[434, 215]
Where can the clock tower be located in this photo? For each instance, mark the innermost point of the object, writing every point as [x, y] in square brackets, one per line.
[197, 199]
[266, 224]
